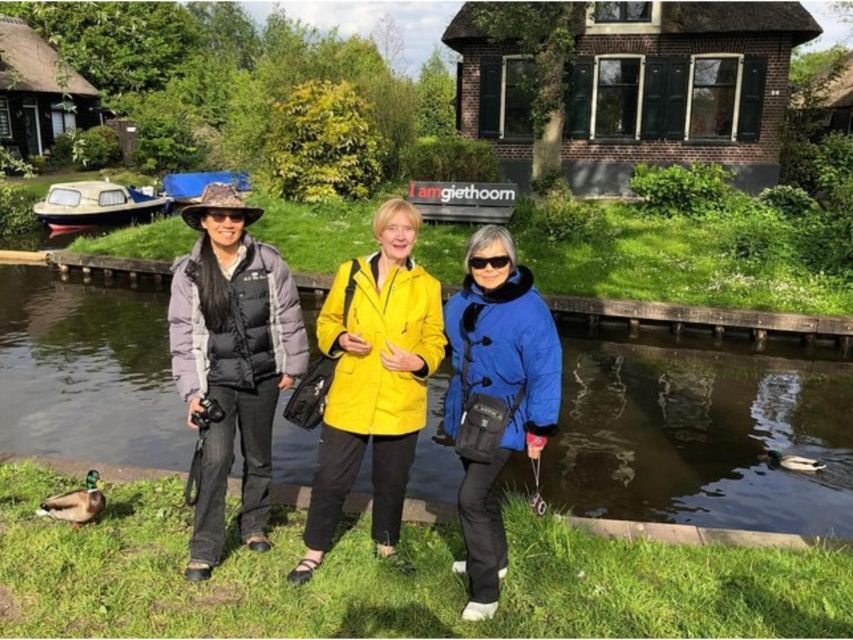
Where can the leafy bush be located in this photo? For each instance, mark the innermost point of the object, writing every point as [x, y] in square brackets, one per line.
[322, 145]
[834, 161]
[16, 211]
[830, 241]
[393, 105]
[793, 202]
[100, 147]
[691, 191]
[758, 232]
[436, 88]
[562, 217]
[165, 139]
[61, 153]
[451, 159]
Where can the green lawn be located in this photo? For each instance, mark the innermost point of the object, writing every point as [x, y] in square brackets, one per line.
[122, 577]
[39, 185]
[626, 255]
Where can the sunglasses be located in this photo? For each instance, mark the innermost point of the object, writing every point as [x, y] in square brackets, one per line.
[219, 217]
[498, 262]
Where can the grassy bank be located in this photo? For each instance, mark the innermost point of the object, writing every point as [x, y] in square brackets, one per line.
[624, 256]
[121, 577]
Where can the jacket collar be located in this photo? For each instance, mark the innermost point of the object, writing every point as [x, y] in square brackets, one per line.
[194, 263]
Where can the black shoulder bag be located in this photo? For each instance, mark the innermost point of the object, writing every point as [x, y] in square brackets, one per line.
[484, 418]
[306, 405]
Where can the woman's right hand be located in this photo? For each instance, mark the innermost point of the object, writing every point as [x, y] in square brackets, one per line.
[194, 405]
[355, 344]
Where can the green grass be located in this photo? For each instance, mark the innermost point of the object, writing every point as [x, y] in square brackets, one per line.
[627, 255]
[39, 185]
[121, 577]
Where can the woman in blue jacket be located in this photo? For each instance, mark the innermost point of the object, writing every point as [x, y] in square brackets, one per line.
[511, 341]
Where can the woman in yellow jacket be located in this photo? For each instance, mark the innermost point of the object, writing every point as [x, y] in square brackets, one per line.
[390, 343]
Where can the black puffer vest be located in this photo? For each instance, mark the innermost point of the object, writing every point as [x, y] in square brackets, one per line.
[242, 354]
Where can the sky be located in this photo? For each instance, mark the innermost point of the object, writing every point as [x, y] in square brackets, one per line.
[422, 23]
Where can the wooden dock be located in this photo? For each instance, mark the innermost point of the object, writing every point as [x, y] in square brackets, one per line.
[811, 329]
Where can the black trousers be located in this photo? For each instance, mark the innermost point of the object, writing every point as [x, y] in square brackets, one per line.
[340, 458]
[254, 411]
[483, 526]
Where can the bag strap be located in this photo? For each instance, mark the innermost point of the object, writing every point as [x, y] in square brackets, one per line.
[350, 290]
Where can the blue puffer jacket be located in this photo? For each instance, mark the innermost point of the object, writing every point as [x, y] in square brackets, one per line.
[513, 339]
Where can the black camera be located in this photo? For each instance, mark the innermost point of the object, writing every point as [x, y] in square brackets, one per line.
[211, 412]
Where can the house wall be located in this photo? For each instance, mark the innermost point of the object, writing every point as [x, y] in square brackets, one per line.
[604, 167]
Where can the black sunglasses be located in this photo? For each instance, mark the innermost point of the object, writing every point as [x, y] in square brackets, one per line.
[219, 216]
[498, 262]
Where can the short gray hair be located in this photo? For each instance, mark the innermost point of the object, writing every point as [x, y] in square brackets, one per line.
[485, 237]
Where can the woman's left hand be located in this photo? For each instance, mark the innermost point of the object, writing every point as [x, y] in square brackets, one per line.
[286, 382]
[400, 359]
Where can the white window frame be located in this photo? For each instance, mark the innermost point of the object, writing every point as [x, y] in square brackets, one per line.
[515, 56]
[736, 106]
[640, 90]
[4, 104]
[617, 28]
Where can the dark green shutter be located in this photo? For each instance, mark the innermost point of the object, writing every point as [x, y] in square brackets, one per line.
[654, 99]
[490, 97]
[751, 98]
[459, 96]
[678, 79]
[579, 98]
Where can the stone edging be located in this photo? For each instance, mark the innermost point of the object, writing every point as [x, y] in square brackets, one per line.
[428, 512]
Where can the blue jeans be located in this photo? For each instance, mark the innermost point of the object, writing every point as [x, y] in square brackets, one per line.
[254, 410]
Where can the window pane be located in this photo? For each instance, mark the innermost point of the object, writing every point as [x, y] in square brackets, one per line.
[618, 95]
[712, 112]
[618, 71]
[67, 197]
[714, 71]
[607, 11]
[517, 100]
[5, 124]
[638, 11]
[110, 198]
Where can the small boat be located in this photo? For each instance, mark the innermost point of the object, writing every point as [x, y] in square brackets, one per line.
[185, 189]
[73, 205]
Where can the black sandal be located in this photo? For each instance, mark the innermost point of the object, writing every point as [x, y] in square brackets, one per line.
[301, 577]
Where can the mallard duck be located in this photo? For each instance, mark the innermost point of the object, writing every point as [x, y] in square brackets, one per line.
[795, 463]
[77, 506]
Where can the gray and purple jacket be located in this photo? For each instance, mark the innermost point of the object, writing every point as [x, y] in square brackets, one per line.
[265, 335]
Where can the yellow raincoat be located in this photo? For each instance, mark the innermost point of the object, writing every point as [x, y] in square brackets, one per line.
[365, 397]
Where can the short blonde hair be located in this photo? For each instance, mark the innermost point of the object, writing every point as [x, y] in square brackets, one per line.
[389, 209]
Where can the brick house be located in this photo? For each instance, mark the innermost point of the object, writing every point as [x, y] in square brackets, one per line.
[655, 82]
[32, 110]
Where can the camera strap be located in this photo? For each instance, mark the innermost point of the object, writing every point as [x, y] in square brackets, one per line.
[194, 477]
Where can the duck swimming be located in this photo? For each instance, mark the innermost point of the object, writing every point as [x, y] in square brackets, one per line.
[775, 460]
[79, 506]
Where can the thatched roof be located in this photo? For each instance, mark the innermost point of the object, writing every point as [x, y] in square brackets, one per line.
[688, 18]
[840, 91]
[28, 63]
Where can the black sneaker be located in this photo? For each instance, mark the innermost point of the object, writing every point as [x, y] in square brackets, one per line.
[197, 572]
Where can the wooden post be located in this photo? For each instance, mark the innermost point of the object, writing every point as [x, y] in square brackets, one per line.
[719, 330]
[760, 336]
[158, 279]
[678, 328]
[63, 268]
[108, 274]
[845, 342]
[592, 322]
[134, 279]
[634, 328]
[808, 339]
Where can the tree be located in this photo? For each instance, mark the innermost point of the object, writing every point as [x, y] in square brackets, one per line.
[436, 89]
[386, 35]
[227, 32]
[545, 31]
[117, 46]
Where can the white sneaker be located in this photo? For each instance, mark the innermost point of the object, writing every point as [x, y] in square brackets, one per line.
[460, 566]
[477, 611]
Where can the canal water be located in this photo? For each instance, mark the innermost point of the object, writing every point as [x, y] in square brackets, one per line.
[653, 428]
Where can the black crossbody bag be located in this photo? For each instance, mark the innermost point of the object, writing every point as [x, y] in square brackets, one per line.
[308, 402]
[484, 418]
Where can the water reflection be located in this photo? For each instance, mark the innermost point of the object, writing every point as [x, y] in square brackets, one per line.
[653, 431]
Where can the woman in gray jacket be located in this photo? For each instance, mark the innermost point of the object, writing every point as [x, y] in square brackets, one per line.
[237, 338]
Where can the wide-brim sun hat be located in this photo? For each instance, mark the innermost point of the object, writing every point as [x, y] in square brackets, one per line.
[219, 195]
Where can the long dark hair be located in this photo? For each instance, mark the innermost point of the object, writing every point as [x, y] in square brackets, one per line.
[213, 289]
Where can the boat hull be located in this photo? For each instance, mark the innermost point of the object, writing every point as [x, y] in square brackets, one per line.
[135, 215]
